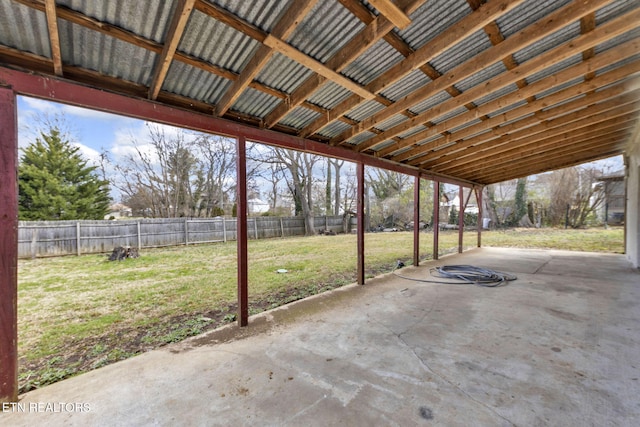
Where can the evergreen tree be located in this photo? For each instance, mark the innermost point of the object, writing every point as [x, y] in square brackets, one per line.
[55, 182]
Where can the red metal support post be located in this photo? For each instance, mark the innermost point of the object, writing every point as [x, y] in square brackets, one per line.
[461, 219]
[416, 221]
[8, 246]
[480, 219]
[241, 202]
[436, 217]
[360, 217]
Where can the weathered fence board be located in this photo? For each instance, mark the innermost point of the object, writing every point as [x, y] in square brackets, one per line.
[57, 238]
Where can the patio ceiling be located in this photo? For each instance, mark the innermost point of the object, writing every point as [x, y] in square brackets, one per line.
[480, 91]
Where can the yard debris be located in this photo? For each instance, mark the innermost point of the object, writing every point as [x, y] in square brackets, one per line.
[119, 253]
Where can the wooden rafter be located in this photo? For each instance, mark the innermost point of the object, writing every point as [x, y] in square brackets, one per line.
[541, 132]
[376, 29]
[54, 36]
[392, 12]
[283, 29]
[601, 34]
[510, 99]
[439, 44]
[317, 66]
[174, 34]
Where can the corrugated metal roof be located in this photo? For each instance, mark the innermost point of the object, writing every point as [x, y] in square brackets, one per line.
[325, 30]
[329, 95]
[371, 64]
[255, 103]
[430, 102]
[364, 110]
[526, 14]
[33, 37]
[431, 19]
[461, 52]
[614, 9]
[482, 75]
[283, 74]
[299, 117]
[105, 54]
[232, 50]
[497, 94]
[391, 122]
[558, 66]
[541, 46]
[210, 88]
[149, 18]
[334, 129]
[412, 81]
[508, 108]
[100, 53]
[263, 14]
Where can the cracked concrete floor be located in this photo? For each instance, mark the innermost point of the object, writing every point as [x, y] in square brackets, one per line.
[558, 346]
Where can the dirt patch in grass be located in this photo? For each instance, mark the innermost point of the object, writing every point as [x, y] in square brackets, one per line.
[88, 353]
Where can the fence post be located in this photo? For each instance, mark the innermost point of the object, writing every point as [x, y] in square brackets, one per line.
[255, 227]
[224, 229]
[34, 243]
[78, 236]
[186, 232]
[281, 228]
[139, 236]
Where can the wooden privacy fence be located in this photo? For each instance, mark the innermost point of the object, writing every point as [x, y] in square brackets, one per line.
[58, 238]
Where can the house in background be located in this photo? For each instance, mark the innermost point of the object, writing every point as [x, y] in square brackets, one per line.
[612, 210]
[118, 210]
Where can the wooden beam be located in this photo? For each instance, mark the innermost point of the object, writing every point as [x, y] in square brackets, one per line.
[220, 14]
[54, 36]
[436, 219]
[283, 29]
[376, 29]
[174, 34]
[497, 104]
[560, 159]
[615, 128]
[540, 156]
[64, 91]
[523, 126]
[8, 246]
[591, 115]
[392, 13]
[316, 66]
[601, 34]
[439, 44]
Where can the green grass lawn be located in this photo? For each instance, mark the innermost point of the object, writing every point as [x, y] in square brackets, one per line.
[79, 313]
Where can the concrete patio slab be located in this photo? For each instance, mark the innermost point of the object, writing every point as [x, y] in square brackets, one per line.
[558, 346]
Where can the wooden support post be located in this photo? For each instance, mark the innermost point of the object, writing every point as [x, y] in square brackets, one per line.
[416, 221]
[243, 274]
[281, 228]
[255, 227]
[139, 235]
[436, 217]
[8, 247]
[461, 219]
[360, 217]
[186, 232]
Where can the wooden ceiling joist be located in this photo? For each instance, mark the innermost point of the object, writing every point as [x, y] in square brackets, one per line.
[563, 95]
[174, 34]
[541, 62]
[525, 37]
[483, 141]
[283, 29]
